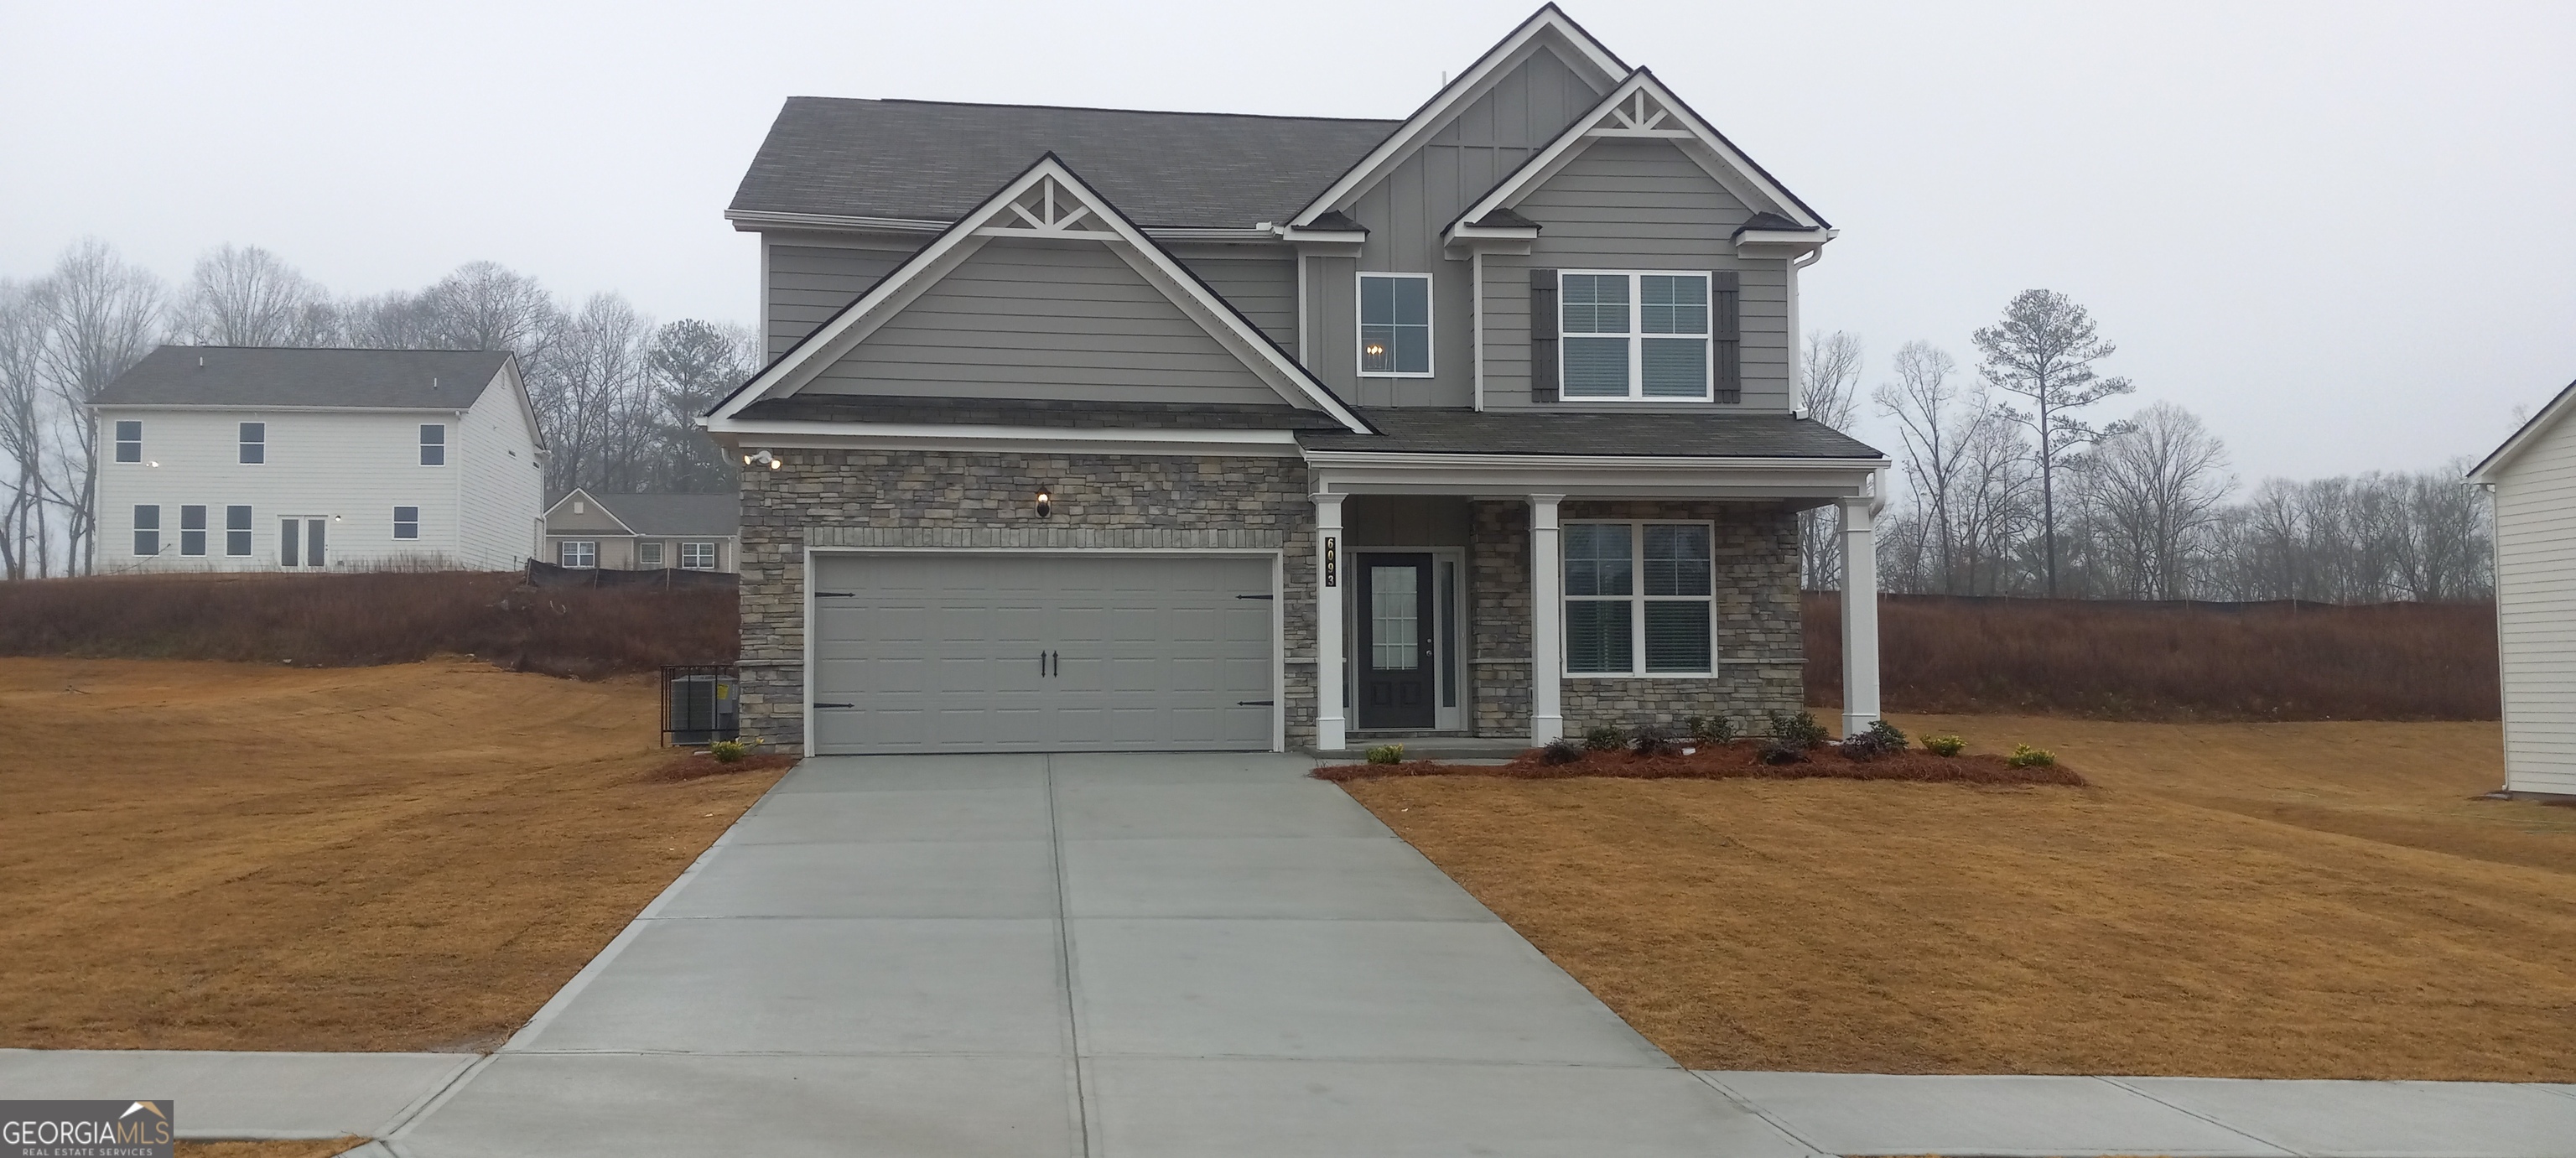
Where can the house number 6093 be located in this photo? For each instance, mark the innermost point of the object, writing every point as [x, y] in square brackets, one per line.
[1332, 562]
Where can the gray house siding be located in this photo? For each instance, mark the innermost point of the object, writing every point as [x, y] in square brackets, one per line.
[1527, 107]
[1261, 284]
[1636, 205]
[1030, 320]
[810, 283]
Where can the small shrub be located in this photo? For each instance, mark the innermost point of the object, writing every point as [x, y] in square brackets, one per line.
[1944, 745]
[1778, 751]
[1712, 730]
[2025, 756]
[1604, 738]
[1797, 728]
[1560, 751]
[1889, 737]
[1653, 740]
[1864, 746]
[1386, 754]
[729, 751]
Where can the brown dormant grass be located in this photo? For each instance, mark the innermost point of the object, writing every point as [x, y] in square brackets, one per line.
[226, 856]
[2166, 661]
[2306, 900]
[296, 1148]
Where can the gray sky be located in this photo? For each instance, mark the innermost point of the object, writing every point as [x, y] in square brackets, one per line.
[2341, 232]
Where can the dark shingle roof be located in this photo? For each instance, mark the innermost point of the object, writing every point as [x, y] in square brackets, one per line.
[264, 376]
[1046, 412]
[1412, 430]
[932, 161]
[675, 515]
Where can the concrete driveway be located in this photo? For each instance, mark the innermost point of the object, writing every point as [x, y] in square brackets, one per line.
[1068, 955]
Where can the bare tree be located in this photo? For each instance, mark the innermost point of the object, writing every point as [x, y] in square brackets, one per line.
[2044, 350]
[483, 306]
[244, 296]
[102, 316]
[1829, 388]
[2154, 488]
[23, 421]
[592, 388]
[1935, 422]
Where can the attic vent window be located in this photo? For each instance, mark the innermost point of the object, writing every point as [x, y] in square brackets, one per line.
[580, 508]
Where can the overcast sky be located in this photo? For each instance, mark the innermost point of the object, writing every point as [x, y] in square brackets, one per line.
[2343, 233]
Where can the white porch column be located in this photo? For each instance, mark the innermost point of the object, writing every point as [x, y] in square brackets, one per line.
[1547, 621]
[1330, 724]
[1860, 617]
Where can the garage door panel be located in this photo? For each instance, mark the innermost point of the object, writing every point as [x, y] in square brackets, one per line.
[941, 653]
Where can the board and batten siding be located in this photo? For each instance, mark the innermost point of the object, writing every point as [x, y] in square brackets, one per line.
[1044, 320]
[2535, 517]
[350, 467]
[1263, 285]
[808, 283]
[1636, 205]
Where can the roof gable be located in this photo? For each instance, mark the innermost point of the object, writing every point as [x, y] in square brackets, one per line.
[283, 378]
[2522, 439]
[1045, 206]
[580, 513]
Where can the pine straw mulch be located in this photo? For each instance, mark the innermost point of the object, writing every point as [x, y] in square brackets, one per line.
[694, 765]
[1739, 760]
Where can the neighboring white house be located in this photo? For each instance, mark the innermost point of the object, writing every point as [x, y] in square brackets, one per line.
[228, 458]
[2533, 479]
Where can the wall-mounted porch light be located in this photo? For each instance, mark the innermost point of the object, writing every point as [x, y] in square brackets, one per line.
[760, 457]
[1046, 504]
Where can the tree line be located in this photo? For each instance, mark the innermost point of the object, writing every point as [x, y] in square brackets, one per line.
[616, 394]
[2010, 489]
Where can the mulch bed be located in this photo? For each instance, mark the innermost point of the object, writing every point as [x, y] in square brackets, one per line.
[692, 765]
[1739, 760]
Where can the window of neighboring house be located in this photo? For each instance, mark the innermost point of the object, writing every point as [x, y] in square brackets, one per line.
[1634, 335]
[1638, 599]
[237, 530]
[192, 530]
[578, 553]
[697, 556]
[254, 442]
[1395, 324]
[648, 554]
[433, 444]
[406, 522]
[129, 441]
[147, 530]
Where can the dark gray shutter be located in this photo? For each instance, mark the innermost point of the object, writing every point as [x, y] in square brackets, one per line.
[1727, 318]
[1542, 335]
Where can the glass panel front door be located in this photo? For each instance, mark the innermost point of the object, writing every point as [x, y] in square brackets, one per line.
[1396, 632]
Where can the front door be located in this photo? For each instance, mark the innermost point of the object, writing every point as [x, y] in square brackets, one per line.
[1396, 632]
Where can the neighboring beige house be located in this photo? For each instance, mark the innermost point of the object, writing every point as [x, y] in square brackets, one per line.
[2533, 479]
[637, 532]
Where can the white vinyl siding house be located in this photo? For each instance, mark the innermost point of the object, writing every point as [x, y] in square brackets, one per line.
[2533, 479]
[231, 472]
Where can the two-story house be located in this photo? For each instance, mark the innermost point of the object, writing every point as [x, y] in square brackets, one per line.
[227, 458]
[1101, 429]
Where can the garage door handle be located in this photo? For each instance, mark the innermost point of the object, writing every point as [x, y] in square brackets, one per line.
[836, 595]
[1256, 597]
[1255, 703]
[836, 705]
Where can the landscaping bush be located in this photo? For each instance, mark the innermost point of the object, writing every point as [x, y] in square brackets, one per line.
[2025, 756]
[1798, 729]
[728, 751]
[1560, 751]
[1653, 740]
[1888, 735]
[1386, 754]
[1712, 730]
[1778, 751]
[1604, 738]
[1944, 745]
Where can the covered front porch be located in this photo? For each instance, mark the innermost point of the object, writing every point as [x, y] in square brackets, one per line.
[1514, 598]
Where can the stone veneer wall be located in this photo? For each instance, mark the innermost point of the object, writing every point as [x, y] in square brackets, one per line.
[1760, 646]
[983, 499]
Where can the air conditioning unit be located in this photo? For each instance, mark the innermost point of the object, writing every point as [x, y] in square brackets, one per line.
[700, 705]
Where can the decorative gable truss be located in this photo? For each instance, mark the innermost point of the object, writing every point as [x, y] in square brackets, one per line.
[1641, 108]
[1048, 205]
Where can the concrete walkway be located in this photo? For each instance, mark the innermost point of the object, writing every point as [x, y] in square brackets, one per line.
[1142, 956]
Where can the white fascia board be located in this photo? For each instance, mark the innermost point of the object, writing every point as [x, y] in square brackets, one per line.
[2513, 446]
[760, 220]
[808, 434]
[1781, 244]
[1401, 143]
[247, 408]
[1589, 476]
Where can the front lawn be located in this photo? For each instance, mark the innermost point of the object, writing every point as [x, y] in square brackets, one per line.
[2244, 900]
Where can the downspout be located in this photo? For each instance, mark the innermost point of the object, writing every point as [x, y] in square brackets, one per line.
[2495, 580]
[1797, 360]
[1476, 272]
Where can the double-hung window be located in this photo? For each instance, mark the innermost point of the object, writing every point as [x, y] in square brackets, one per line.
[237, 530]
[254, 442]
[1637, 599]
[129, 441]
[1640, 336]
[406, 522]
[192, 530]
[697, 556]
[433, 444]
[1395, 325]
[578, 553]
[648, 553]
[147, 530]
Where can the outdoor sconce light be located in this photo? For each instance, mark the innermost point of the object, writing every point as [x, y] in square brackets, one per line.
[1046, 504]
[761, 456]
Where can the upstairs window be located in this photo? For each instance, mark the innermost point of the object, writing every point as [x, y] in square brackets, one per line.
[433, 445]
[1641, 336]
[254, 442]
[129, 441]
[147, 530]
[406, 522]
[192, 530]
[237, 530]
[1395, 325]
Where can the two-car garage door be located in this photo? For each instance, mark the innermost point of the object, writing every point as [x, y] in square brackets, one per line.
[974, 652]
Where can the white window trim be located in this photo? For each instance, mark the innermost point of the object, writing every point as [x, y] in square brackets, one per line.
[654, 545]
[248, 543]
[1430, 327]
[442, 444]
[205, 517]
[158, 544]
[1636, 350]
[563, 549]
[398, 522]
[714, 555]
[239, 442]
[121, 442]
[1636, 599]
